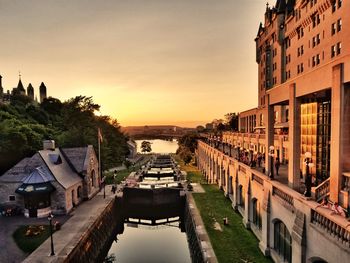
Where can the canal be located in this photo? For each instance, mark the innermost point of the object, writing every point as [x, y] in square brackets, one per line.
[157, 244]
[159, 146]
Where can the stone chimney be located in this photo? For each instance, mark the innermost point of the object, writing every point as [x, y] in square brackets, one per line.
[49, 145]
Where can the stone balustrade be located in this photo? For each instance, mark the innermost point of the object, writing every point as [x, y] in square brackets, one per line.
[258, 179]
[285, 198]
[334, 229]
[322, 190]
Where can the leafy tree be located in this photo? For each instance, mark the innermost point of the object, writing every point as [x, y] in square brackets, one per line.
[146, 147]
[232, 121]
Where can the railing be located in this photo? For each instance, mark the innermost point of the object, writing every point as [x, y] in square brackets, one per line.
[346, 182]
[257, 179]
[331, 227]
[322, 190]
[241, 169]
[286, 199]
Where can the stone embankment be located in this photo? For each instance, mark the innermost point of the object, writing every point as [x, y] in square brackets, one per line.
[83, 237]
[198, 239]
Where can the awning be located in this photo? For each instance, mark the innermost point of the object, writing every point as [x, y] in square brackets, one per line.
[33, 189]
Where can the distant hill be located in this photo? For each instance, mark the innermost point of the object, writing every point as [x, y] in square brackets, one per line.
[155, 131]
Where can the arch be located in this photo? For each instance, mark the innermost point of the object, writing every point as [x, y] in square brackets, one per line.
[240, 196]
[317, 260]
[79, 192]
[93, 178]
[256, 213]
[282, 241]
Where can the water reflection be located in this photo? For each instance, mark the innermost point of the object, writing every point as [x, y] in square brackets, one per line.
[160, 146]
[156, 244]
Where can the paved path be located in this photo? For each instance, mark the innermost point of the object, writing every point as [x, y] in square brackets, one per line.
[81, 217]
[9, 252]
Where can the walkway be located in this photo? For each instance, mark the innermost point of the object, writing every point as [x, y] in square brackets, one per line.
[9, 251]
[82, 216]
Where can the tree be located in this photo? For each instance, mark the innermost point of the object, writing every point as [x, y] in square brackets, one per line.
[146, 146]
[232, 121]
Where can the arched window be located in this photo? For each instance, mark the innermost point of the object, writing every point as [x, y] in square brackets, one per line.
[256, 214]
[282, 241]
[93, 178]
[79, 192]
[241, 196]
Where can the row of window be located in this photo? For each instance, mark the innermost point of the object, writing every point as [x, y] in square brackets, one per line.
[336, 49]
[300, 68]
[336, 4]
[336, 27]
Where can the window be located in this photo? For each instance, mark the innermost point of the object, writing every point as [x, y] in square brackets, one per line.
[12, 198]
[334, 28]
[340, 2]
[287, 42]
[315, 19]
[256, 214]
[282, 241]
[313, 2]
[300, 32]
[338, 48]
[336, 4]
[300, 68]
[316, 60]
[339, 25]
[316, 40]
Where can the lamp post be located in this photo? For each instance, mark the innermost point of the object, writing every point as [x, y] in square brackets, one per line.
[308, 179]
[50, 221]
[271, 154]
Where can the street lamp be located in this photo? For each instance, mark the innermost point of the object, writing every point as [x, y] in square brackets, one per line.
[308, 179]
[50, 220]
[271, 154]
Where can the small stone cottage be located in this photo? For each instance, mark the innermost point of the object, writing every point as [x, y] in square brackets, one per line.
[54, 180]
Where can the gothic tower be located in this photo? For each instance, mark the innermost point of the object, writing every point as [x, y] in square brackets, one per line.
[1, 88]
[30, 91]
[42, 90]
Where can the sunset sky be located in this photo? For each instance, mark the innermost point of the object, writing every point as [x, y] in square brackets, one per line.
[182, 62]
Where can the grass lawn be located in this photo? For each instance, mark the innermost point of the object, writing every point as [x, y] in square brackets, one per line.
[29, 243]
[235, 243]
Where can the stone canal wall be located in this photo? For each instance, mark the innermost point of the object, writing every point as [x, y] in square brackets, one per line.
[86, 236]
[198, 239]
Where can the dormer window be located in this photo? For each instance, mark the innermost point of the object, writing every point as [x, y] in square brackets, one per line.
[55, 158]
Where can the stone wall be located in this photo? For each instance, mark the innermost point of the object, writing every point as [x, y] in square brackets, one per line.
[197, 237]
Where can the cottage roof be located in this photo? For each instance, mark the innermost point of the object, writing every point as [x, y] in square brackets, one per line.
[77, 157]
[61, 170]
[22, 169]
[39, 175]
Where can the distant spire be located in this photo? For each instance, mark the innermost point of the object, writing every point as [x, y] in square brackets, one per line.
[30, 91]
[20, 87]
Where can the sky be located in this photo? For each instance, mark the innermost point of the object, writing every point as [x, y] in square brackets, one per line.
[178, 62]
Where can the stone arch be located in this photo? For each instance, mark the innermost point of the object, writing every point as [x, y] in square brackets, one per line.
[256, 217]
[240, 195]
[316, 260]
[282, 240]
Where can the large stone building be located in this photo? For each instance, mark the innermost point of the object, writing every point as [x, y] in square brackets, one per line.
[302, 121]
[54, 180]
[19, 90]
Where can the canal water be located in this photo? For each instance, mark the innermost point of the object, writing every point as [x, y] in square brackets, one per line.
[151, 244]
[159, 146]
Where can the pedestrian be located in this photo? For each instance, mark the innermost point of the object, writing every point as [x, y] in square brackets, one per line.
[277, 165]
[337, 210]
[259, 159]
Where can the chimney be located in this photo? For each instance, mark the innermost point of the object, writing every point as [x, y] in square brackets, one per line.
[49, 145]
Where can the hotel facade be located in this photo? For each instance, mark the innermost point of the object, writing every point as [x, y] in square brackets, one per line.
[302, 122]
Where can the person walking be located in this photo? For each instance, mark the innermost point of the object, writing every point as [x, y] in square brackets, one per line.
[277, 165]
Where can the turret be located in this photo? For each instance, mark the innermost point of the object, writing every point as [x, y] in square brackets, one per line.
[30, 91]
[42, 91]
[20, 88]
[1, 88]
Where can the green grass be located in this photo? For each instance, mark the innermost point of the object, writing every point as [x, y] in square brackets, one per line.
[29, 244]
[235, 243]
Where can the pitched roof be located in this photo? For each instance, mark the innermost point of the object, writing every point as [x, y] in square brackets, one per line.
[39, 175]
[76, 157]
[62, 171]
[20, 85]
[22, 169]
